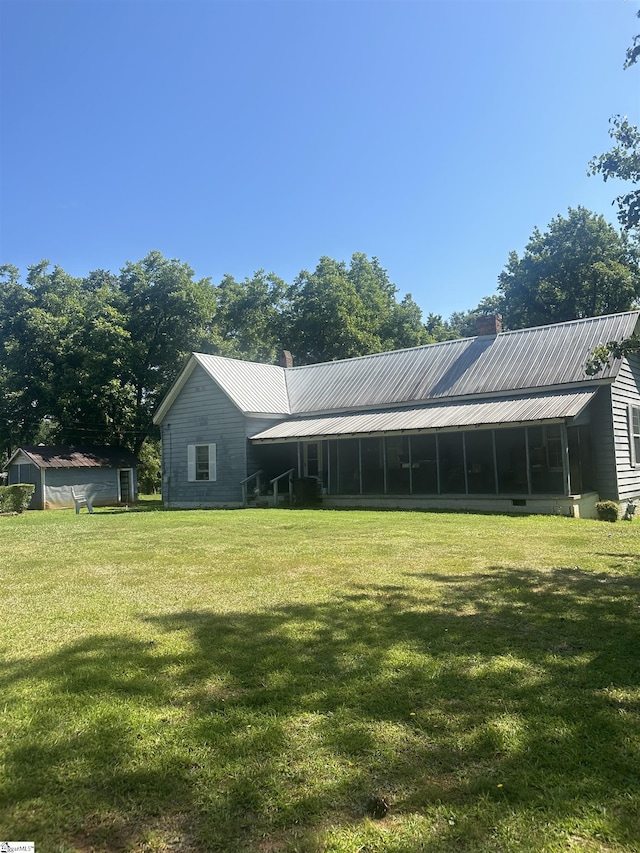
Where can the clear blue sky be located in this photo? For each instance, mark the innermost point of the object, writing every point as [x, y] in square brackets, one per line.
[239, 136]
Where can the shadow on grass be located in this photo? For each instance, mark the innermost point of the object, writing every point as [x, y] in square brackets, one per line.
[507, 697]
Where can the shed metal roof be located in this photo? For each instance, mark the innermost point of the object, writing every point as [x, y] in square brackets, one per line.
[525, 408]
[68, 456]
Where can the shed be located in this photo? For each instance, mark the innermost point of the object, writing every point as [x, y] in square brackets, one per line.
[106, 475]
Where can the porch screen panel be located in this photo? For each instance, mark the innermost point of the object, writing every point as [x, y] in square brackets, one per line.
[511, 457]
[480, 463]
[451, 458]
[398, 460]
[348, 466]
[372, 455]
[545, 458]
[424, 465]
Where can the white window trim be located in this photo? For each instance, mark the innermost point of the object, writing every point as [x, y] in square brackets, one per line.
[635, 461]
[191, 463]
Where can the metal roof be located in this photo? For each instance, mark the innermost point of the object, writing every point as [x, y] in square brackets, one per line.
[523, 408]
[253, 387]
[545, 356]
[68, 456]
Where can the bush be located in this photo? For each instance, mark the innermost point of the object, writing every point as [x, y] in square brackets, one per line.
[16, 498]
[607, 510]
[307, 491]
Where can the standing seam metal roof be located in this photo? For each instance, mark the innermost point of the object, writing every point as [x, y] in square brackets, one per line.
[253, 387]
[523, 360]
[544, 356]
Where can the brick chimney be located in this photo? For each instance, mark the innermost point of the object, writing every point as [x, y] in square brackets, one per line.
[285, 359]
[489, 324]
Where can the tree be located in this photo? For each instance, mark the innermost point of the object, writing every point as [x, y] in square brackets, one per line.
[149, 466]
[341, 312]
[249, 316]
[623, 160]
[580, 267]
[86, 360]
[168, 314]
[89, 358]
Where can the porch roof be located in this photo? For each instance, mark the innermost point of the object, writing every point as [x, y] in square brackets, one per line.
[521, 408]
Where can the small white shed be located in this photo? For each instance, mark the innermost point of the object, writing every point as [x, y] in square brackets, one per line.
[106, 475]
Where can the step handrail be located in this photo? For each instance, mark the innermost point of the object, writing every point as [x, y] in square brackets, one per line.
[255, 476]
[274, 483]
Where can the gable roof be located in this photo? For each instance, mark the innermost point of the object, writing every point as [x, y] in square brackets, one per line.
[68, 456]
[543, 357]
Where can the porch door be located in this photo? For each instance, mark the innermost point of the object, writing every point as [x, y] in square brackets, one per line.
[312, 459]
[125, 483]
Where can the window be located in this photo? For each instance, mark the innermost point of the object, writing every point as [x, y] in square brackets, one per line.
[634, 434]
[201, 462]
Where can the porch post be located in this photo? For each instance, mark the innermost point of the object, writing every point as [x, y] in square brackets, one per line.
[526, 447]
[464, 463]
[410, 466]
[384, 463]
[565, 459]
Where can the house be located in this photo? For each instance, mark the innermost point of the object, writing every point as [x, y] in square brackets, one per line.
[106, 475]
[504, 422]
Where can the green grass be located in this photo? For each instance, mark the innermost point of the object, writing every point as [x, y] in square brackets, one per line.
[253, 680]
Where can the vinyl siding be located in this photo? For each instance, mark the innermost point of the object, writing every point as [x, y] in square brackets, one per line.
[203, 414]
[623, 392]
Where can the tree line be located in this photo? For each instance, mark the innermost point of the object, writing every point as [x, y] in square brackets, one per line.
[86, 360]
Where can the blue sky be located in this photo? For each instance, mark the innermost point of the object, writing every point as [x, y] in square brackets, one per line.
[242, 135]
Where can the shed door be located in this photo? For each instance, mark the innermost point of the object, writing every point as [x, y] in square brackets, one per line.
[125, 485]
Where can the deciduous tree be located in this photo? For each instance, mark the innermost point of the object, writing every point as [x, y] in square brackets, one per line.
[580, 267]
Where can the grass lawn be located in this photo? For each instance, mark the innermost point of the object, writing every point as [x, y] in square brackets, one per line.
[316, 681]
